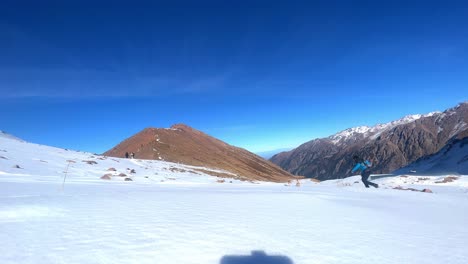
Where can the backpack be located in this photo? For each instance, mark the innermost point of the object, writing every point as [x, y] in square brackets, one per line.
[367, 163]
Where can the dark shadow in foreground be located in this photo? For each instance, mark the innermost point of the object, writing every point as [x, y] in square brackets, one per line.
[257, 257]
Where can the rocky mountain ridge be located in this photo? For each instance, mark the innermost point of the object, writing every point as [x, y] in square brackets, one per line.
[451, 159]
[391, 146]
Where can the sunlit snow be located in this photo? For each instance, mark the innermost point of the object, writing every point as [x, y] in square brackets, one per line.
[173, 213]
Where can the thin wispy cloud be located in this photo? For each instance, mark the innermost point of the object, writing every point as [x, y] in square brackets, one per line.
[73, 83]
[52, 71]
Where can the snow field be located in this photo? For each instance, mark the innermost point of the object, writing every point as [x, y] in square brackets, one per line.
[171, 213]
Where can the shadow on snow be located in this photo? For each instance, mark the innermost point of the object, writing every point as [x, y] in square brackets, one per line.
[257, 257]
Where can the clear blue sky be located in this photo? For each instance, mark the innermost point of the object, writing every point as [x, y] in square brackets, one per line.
[259, 75]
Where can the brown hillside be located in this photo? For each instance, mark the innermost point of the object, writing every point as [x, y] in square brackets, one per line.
[186, 145]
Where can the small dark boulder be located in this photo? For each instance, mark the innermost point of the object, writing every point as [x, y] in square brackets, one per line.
[106, 177]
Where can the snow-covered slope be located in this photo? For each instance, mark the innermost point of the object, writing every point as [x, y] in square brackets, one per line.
[23, 160]
[4, 134]
[172, 213]
[443, 184]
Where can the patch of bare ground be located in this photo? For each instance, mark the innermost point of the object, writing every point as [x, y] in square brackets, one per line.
[173, 169]
[217, 174]
[412, 189]
[1, 157]
[90, 162]
[291, 182]
[422, 179]
[448, 179]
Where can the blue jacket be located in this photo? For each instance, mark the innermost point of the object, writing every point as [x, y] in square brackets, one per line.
[362, 166]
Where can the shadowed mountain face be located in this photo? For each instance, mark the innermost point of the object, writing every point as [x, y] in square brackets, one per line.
[183, 144]
[390, 146]
[451, 159]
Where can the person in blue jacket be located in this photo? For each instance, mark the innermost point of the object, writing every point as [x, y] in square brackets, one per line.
[363, 166]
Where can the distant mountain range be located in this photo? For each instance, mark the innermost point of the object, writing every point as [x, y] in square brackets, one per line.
[271, 153]
[186, 145]
[391, 146]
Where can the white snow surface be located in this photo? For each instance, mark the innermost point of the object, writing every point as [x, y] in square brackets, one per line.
[171, 213]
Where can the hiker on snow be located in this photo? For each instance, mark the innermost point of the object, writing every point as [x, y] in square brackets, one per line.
[364, 166]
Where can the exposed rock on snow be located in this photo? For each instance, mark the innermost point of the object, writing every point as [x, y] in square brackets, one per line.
[106, 177]
[448, 179]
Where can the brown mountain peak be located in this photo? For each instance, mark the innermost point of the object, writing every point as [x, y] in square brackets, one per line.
[181, 126]
[184, 144]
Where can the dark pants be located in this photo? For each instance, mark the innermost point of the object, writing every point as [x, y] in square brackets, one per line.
[365, 176]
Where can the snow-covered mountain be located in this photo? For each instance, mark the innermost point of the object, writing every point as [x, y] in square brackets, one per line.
[352, 134]
[391, 146]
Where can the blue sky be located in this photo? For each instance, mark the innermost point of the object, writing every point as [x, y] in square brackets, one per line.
[86, 75]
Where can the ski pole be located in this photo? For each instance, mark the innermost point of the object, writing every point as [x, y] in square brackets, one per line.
[64, 178]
